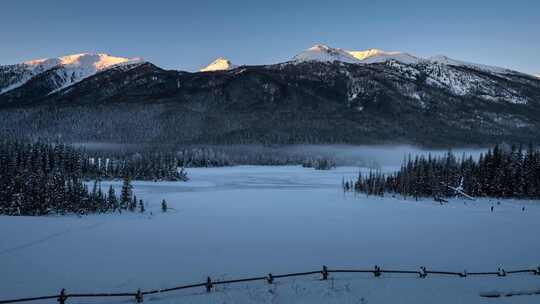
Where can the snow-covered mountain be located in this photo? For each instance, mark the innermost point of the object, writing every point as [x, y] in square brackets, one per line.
[61, 72]
[305, 101]
[64, 71]
[324, 53]
[220, 64]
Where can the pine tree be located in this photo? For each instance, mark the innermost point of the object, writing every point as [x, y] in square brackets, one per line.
[125, 195]
[163, 205]
[133, 203]
[112, 201]
[141, 206]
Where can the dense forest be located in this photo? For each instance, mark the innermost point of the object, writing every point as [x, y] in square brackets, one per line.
[502, 173]
[40, 179]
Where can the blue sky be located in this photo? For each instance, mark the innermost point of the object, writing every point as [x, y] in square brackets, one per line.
[189, 34]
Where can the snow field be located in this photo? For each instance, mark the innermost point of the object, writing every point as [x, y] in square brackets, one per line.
[245, 221]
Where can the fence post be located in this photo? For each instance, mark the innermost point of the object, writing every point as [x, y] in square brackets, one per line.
[423, 272]
[324, 272]
[139, 296]
[270, 278]
[377, 271]
[62, 296]
[208, 284]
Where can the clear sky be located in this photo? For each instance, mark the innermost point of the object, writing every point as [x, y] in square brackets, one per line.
[187, 35]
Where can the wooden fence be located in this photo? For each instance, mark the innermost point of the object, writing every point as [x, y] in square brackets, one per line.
[138, 296]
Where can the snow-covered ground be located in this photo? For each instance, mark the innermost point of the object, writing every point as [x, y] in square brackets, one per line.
[249, 221]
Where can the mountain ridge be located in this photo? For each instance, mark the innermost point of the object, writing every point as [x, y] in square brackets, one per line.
[318, 52]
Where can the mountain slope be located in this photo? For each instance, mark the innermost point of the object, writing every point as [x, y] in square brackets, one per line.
[13, 76]
[297, 102]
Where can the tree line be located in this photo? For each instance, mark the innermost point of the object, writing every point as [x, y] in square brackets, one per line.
[500, 172]
[139, 166]
[160, 161]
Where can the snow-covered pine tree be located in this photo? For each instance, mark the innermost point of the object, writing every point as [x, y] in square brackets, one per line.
[126, 193]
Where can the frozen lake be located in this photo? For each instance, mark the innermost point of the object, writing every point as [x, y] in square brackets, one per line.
[244, 221]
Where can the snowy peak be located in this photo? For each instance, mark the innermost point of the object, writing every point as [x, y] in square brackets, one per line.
[324, 53]
[220, 64]
[376, 55]
[96, 62]
[74, 68]
[361, 55]
[69, 69]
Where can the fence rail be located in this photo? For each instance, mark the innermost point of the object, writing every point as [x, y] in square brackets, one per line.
[138, 296]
